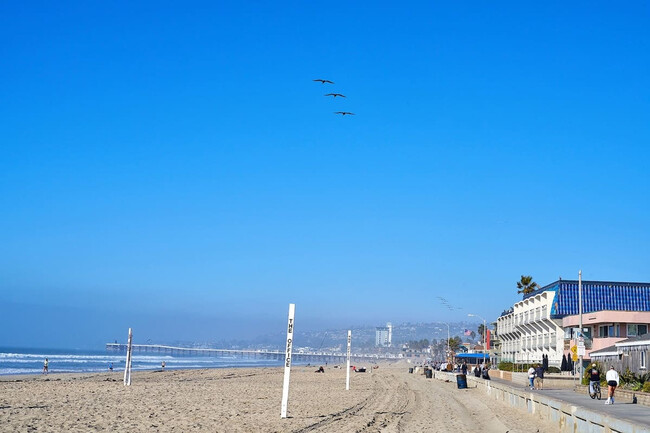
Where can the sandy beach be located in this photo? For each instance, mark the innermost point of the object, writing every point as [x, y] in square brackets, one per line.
[248, 400]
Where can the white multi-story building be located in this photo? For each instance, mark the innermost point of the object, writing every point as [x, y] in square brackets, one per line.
[527, 331]
[390, 333]
[384, 335]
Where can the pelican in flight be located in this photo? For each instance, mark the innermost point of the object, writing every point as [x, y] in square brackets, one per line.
[335, 95]
[325, 81]
[343, 113]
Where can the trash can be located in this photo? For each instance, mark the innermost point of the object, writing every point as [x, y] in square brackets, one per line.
[410, 369]
[428, 373]
[461, 381]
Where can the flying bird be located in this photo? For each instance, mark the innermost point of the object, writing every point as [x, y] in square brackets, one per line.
[343, 113]
[325, 81]
[335, 95]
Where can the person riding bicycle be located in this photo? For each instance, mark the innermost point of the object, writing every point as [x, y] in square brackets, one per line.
[594, 377]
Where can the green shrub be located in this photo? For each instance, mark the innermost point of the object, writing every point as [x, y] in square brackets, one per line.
[505, 366]
[509, 366]
[646, 386]
[636, 386]
[628, 377]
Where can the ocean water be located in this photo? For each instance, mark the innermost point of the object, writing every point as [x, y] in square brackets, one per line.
[30, 361]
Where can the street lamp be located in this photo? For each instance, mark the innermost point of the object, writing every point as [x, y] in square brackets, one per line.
[484, 333]
[448, 351]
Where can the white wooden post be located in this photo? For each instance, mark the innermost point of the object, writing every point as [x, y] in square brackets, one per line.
[127, 368]
[347, 377]
[287, 361]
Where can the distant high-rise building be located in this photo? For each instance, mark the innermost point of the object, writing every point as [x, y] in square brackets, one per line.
[384, 335]
[390, 333]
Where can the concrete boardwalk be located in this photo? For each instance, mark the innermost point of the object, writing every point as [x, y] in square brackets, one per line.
[623, 410]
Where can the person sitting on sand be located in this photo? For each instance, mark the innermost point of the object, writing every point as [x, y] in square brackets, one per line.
[320, 370]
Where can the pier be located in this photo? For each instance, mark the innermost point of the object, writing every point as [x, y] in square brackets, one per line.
[299, 356]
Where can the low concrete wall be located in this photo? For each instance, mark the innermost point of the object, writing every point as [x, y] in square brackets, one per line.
[555, 381]
[567, 417]
[622, 395]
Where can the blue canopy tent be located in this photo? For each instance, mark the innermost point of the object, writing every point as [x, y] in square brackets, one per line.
[472, 358]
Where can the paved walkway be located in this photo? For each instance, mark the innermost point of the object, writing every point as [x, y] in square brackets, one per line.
[627, 411]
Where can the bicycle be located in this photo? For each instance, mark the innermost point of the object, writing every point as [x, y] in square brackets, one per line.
[596, 392]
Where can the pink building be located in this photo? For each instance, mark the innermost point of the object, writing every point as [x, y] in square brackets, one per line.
[606, 328]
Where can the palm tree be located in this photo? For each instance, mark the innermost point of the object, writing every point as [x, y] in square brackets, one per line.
[526, 285]
[481, 329]
[454, 343]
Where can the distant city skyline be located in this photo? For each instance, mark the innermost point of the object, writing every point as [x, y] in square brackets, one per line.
[175, 168]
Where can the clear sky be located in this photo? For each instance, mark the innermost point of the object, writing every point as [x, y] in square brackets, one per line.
[173, 167]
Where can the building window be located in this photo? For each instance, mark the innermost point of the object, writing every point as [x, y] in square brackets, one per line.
[609, 331]
[643, 356]
[634, 330]
[603, 331]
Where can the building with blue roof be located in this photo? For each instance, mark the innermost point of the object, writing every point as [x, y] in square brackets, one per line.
[545, 321]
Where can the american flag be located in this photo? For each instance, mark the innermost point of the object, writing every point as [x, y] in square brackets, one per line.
[468, 332]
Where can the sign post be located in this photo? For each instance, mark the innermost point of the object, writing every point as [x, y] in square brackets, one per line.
[580, 353]
[347, 377]
[574, 358]
[581, 347]
[287, 361]
[127, 368]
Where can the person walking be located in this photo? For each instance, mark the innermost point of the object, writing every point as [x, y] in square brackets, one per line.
[485, 374]
[45, 366]
[464, 368]
[539, 376]
[612, 382]
[594, 377]
[531, 377]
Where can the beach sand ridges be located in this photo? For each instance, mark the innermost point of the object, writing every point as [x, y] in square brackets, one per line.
[248, 400]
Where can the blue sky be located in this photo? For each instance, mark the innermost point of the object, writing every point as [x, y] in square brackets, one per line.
[174, 167]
